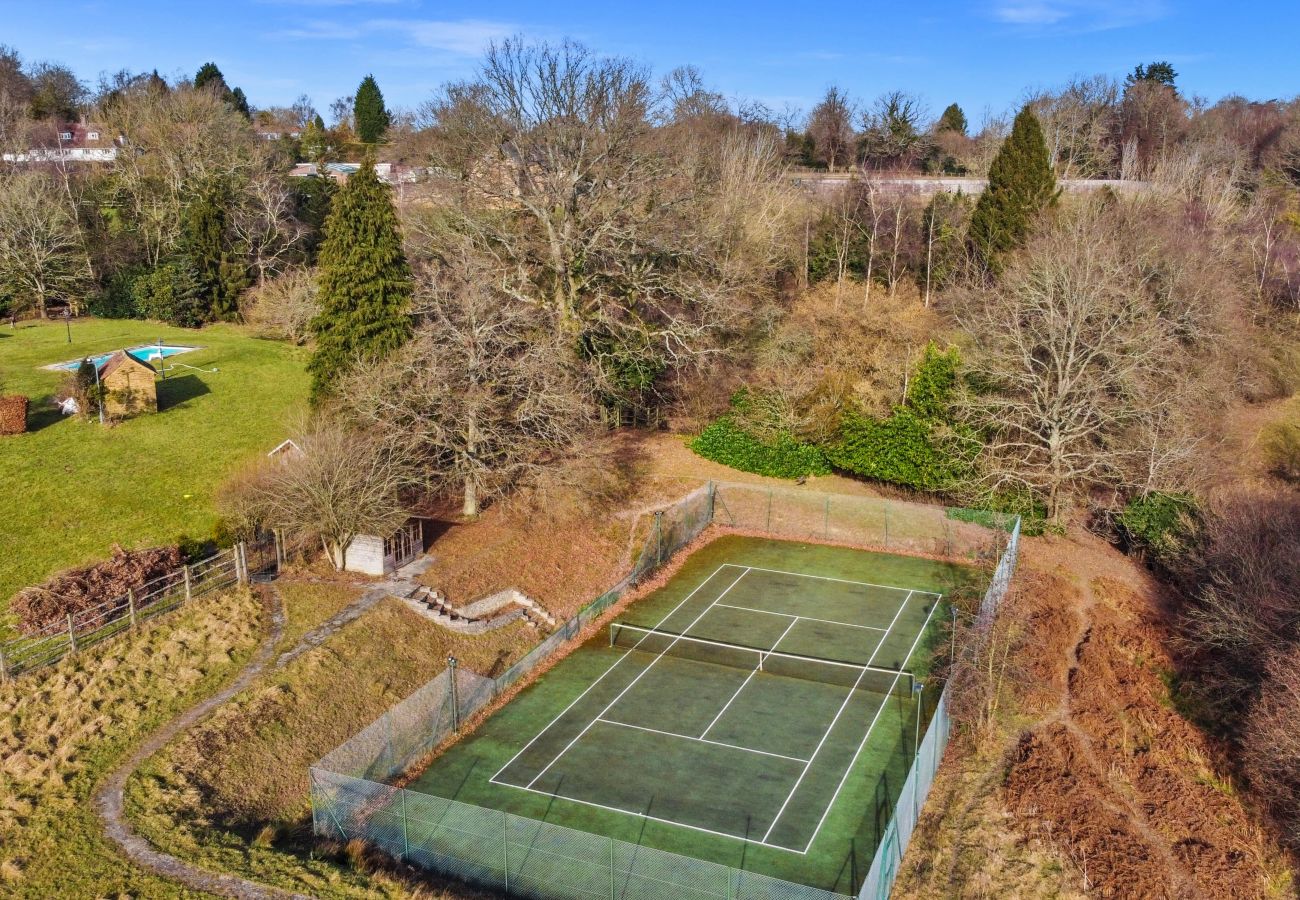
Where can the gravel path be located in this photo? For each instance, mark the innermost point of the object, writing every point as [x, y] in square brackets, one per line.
[108, 797]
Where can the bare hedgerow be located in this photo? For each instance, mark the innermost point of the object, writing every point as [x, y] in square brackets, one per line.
[283, 307]
[1270, 748]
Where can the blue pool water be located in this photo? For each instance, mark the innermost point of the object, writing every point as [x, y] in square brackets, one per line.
[147, 352]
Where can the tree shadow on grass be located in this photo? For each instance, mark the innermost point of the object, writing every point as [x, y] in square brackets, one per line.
[179, 390]
[42, 413]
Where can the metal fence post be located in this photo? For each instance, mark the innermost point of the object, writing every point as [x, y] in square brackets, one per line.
[188, 594]
[768, 527]
[613, 890]
[826, 519]
[130, 605]
[713, 502]
[406, 840]
[659, 538]
[455, 699]
[72, 634]
[505, 850]
[886, 523]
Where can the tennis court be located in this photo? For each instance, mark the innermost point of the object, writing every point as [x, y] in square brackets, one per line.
[759, 710]
[741, 712]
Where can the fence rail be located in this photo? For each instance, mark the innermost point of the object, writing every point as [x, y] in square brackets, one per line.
[527, 858]
[93, 625]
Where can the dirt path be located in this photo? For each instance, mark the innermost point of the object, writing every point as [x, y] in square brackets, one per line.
[109, 796]
[1110, 775]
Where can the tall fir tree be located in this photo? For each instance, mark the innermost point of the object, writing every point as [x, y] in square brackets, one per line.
[365, 283]
[953, 119]
[205, 247]
[210, 76]
[1021, 185]
[368, 111]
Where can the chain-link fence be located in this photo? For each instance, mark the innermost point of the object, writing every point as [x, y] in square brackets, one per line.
[87, 627]
[860, 521]
[529, 858]
[911, 799]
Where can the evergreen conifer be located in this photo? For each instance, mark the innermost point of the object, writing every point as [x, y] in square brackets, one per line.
[365, 282]
[368, 111]
[1021, 185]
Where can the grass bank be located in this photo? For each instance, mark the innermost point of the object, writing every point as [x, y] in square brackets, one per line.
[65, 729]
[73, 488]
[231, 794]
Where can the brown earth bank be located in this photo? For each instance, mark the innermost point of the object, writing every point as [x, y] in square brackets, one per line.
[1088, 783]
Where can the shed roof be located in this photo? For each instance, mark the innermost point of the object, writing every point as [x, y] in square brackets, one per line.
[119, 359]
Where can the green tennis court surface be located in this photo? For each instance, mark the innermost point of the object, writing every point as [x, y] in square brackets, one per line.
[758, 710]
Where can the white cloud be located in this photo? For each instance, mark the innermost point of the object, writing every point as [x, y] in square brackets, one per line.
[1078, 15]
[461, 38]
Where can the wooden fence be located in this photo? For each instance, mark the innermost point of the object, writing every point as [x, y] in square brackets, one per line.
[163, 594]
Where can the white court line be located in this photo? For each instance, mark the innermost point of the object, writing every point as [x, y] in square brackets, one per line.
[888, 587]
[838, 713]
[602, 675]
[700, 740]
[809, 618]
[890, 628]
[744, 683]
[641, 815]
[853, 762]
[631, 684]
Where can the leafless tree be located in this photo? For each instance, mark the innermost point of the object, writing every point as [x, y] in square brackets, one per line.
[342, 484]
[482, 392]
[262, 221]
[1079, 124]
[830, 124]
[283, 307]
[892, 133]
[577, 207]
[42, 259]
[1074, 349]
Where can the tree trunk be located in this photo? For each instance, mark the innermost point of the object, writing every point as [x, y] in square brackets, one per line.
[470, 509]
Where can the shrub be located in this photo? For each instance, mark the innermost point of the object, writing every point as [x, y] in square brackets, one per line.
[13, 414]
[917, 446]
[1281, 445]
[726, 442]
[170, 293]
[1163, 525]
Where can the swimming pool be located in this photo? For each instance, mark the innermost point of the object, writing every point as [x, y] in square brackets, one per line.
[148, 352]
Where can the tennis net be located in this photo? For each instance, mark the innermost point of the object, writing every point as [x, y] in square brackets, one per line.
[773, 662]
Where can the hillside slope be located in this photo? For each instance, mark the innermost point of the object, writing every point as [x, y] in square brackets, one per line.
[1087, 782]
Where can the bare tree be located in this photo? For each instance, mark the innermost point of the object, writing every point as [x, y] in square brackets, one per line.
[481, 392]
[41, 255]
[577, 207]
[892, 136]
[1079, 124]
[283, 307]
[830, 124]
[1073, 350]
[342, 484]
[262, 220]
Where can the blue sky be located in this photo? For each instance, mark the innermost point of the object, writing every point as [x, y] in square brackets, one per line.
[982, 54]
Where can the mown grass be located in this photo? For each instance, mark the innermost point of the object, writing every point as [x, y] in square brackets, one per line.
[232, 794]
[72, 489]
[63, 730]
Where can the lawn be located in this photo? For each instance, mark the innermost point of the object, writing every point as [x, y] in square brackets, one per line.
[72, 489]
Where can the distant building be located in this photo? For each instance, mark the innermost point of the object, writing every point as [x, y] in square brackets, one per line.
[274, 134]
[128, 384]
[70, 142]
[390, 173]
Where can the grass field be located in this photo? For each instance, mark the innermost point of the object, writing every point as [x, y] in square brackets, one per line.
[72, 489]
[778, 771]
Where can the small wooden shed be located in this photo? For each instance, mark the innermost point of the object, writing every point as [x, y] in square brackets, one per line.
[128, 384]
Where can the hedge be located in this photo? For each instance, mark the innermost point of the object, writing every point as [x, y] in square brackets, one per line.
[726, 442]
